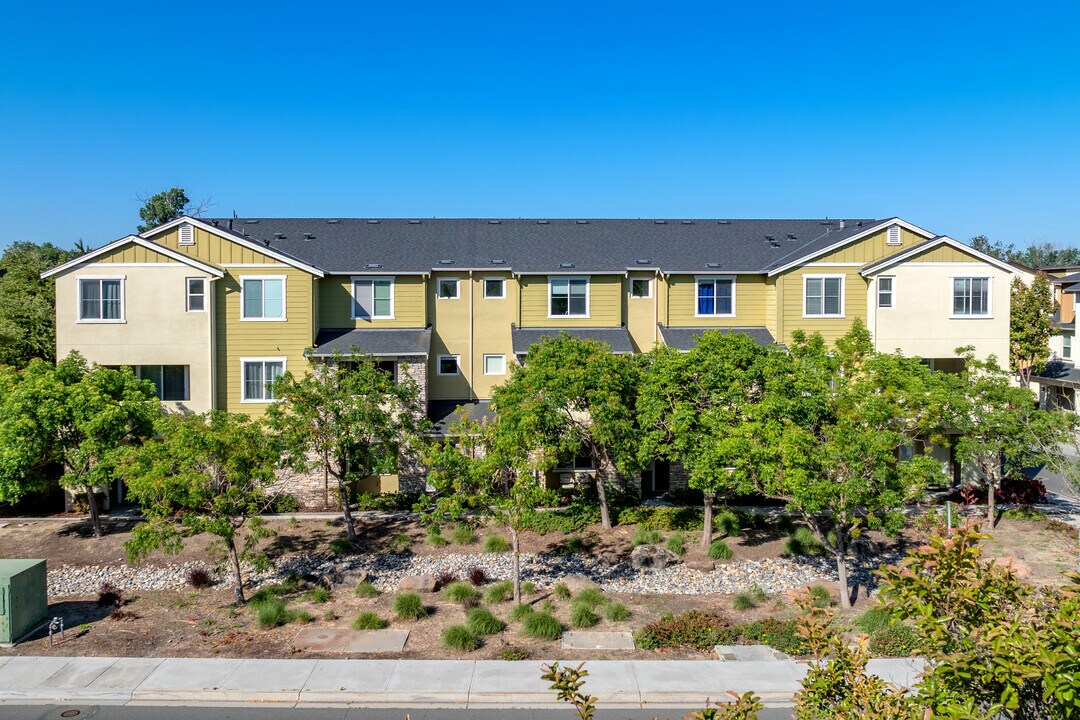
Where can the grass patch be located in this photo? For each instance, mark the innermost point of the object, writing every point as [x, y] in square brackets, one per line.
[896, 640]
[728, 523]
[542, 626]
[482, 622]
[400, 542]
[496, 544]
[645, 536]
[1023, 513]
[719, 550]
[590, 597]
[341, 546]
[875, 619]
[583, 616]
[528, 588]
[302, 616]
[368, 620]
[462, 535]
[803, 542]
[274, 613]
[572, 545]
[366, 590]
[676, 543]
[561, 591]
[409, 606]
[520, 612]
[435, 538]
[460, 639]
[820, 597]
[616, 612]
[460, 592]
[499, 592]
[750, 599]
[512, 652]
[318, 595]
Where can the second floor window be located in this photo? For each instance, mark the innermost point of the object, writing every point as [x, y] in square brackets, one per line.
[885, 292]
[495, 288]
[263, 298]
[569, 297]
[715, 296]
[824, 296]
[196, 294]
[448, 288]
[971, 296]
[1066, 346]
[101, 299]
[373, 298]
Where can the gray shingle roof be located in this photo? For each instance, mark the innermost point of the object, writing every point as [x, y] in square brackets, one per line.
[349, 245]
[1060, 372]
[378, 342]
[683, 338]
[444, 413]
[617, 337]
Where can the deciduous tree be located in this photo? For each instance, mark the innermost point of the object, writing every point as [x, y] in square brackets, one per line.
[1031, 326]
[28, 302]
[166, 206]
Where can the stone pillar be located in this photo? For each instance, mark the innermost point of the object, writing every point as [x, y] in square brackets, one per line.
[412, 473]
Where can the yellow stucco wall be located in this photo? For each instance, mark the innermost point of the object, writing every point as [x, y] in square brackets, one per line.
[605, 303]
[751, 304]
[335, 304]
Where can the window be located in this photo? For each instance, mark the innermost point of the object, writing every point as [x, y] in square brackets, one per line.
[373, 298]
[824, 296]
[885, 292]
[495, 288]
[389, 367]
[196, 294]
[569, 297]
[101, 299]
[187, 234]
[640, 288]
[971, 296]
[171, 381]
[257, 375]
[494, 364]
[262, 298]
[582, 460]
[894, 236]
[1066, 346]
[448, 288]
[715, 296]
[448, 365]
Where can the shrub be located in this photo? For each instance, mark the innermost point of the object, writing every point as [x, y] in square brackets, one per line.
[896, 640]
[366, 590]
[499, 592]
[561, 591]
[590, 597]
[784, 524]
[318, 595]
[512, 652]
[460, 639]
[109, 595]
[462, 535]
[368, 620]
[820, 597]
[460, 592]
[574, 518]
[583, 616]
[542, 626]
[200, 578]
[691, 629]
[676, 543]
[1024, 513]
[645, 536]
[719, 550]
[482, 622]
[341, 546]
[616, 612]
[273, 613]
[663, 518]
[477, 576]
[445, 578]
[409, 606]
[528, 588]
[782, 635]
[520, 612]
[496, 544]
[400, 542]
[875, 619]
[571, 546]
[284, 503]
[728, 523]
[1020, 490]
[803, 542]
[387, 502]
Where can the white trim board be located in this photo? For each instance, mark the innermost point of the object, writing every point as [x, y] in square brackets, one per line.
[143, 242]
[888, 262]
[802, 259]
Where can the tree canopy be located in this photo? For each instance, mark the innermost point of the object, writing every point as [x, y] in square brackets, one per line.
[28, 302]
[1031, 325]
[166, 206]
[1035, 255]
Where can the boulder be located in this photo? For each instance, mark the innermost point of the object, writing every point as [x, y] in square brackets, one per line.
[609, 558]
[1019, 569]
[701, 565]
[577, 582]
[652, 557]
[351, 578]
[420, 583]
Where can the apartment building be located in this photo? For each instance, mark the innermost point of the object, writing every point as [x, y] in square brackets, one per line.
[213, 309]
[1058, 383]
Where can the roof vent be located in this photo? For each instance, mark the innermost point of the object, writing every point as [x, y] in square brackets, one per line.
[415, 222]
[494, 222]
[566, 265]
[498, 262]
[643, 261]
[723, 222]
[373, 222]
[841, 224]
[543, 222]
[251, 222]
[446, 262]
[582, 222]
[332, 222]
[775, 243]
[770, 238]
[791, 236]
[309, 236]
[280, 236]
[859, 224]
[373, 266]
[215, 222]
[712, 265]
[659, 222]
[266, 243]
[687, 222]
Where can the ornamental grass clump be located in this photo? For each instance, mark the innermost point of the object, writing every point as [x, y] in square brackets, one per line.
[460, 639]
[460, 592]
[803, 542]
[616, 612]
[676, 543]
[318, 595]
[521, 612]
[366, 590]
[274, 613]
[719, 550]
[583, 616]
[482, 622]
[463, 535]
[496, 544]
[409, 606]
[368, 620]
[499, 592]
[561, 591]
[645, 536]
[542, 626]
[590, 597]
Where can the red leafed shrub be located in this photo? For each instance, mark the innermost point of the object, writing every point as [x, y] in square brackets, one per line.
[1015, 490]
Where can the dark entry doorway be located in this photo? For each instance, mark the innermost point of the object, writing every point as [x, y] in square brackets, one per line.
[656, 478]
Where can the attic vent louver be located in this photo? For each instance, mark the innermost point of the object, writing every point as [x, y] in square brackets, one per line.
[373, 266]
[566, 265]
[373, 222]
[894, 236]
[187, 234]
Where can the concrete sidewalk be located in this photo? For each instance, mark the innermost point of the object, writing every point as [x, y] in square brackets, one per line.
[397, 683]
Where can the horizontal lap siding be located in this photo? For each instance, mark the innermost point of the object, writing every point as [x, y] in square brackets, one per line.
[830, 328]
[605, 303]
[335, 304]
[751, 302]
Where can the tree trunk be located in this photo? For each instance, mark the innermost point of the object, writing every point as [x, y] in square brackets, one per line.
[841, 571]
[91, 502]
[600, 459]
[517, 565]
[991, 505]
[238, 577]
[343, 490]
[326, 485]
[706, 532]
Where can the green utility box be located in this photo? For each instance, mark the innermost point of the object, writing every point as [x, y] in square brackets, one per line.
[24, 603]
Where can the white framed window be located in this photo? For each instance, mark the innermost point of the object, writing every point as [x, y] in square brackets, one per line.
[494, 364]
[257, 375]
[373, 298]
[196, 294]
[495, 288]
[893, 236]
[262, 297]
[448, 365]
[101, 299]
[1066, 346]
[170, 381]
[715, 297]
[971, 297]
[568, 297]
[447, 289]
[641, 288]
[187, 234]
[886, 289]
[823, 296]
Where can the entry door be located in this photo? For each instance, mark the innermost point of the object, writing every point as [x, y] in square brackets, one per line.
[656, 478]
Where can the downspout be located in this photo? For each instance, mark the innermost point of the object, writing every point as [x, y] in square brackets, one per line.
[472, 355]
[656, 310]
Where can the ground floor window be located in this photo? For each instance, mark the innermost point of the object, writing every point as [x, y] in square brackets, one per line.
[171, 381]
[257, 376]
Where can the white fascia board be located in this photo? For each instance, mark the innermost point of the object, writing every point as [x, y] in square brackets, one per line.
[138, 240]
[890, 261]
[854, 238]
[239, 240]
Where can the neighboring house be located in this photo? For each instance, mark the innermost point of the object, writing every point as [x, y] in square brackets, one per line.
[1059, 382]
[212, 310]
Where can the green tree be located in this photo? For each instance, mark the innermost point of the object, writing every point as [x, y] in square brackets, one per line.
[25, 451]
[1035, 255]
[166, 206]
[829, 432]
[486, 470]
[572, 394]
[696, 408]
[28, 302]
[207, 473]
[348, 419]
[1031, 324]
[1002, 428]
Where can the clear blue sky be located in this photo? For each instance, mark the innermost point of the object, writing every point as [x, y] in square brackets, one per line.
[963, 118]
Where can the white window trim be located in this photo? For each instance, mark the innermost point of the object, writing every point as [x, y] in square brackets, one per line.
[187, 294]
[284, 297]
[243, 361]
[843, 294]
[457, 365]
[1066, 346]
[457, 288]
[495, 355]
[989, 314]
[502, 282]
[588, 296]
[373, 279]
[698, 279]
[123, 300]
[892, 292]
[640, 297]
